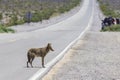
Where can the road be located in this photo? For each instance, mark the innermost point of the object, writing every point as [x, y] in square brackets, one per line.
[14, 47]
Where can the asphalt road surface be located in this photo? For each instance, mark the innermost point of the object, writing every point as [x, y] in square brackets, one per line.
[14, 47]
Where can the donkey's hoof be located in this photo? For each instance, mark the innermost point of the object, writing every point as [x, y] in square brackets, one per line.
[43, 66]
[27, 66]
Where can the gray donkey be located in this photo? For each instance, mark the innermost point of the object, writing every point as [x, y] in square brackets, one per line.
[38, 52]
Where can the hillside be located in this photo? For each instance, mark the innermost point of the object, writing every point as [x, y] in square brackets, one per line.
[114, 4]
[110, 7]
[14, 12]
[28, 5]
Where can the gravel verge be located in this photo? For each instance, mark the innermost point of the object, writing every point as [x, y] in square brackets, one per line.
[91, 58]
[94, 57]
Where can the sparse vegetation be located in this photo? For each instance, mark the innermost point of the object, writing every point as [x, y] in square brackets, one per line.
[113, 28]
[110, 7]
[107, 11]
[4, 29]
[39, 9]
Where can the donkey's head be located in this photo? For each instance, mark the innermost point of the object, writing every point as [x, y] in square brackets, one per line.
[49, 47]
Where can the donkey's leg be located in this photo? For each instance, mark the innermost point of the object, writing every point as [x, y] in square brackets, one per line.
[28, 60]
[43, 62]
[27, 64]
[32, 58]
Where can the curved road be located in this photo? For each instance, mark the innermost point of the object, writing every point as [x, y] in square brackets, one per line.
[14, 47]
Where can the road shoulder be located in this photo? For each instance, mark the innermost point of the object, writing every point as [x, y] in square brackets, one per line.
[94, 57]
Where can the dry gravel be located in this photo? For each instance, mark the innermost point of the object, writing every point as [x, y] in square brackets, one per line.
[95, 57]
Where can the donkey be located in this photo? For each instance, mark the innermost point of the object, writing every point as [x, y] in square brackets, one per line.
[38, 52]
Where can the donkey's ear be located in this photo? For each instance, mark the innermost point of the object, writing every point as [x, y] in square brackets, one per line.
[49, 43]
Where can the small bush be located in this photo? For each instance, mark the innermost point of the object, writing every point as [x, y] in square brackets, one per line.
[20, 21]
[36, 17]
[1, 16]
[47, 13]
[113, 28]
[4, 29]
[106, 11]
[42, 15]
[13, 20]
[61, 10]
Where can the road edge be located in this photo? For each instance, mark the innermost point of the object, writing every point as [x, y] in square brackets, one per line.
[39, 74]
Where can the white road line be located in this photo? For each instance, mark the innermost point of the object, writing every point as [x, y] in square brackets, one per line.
[43, 71]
